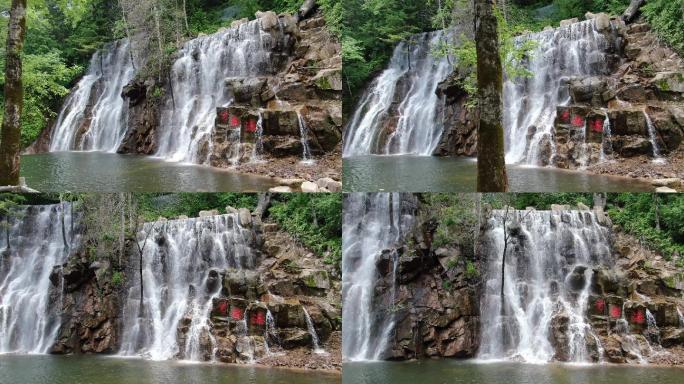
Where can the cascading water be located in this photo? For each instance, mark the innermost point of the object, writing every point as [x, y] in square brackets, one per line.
[681, 317]
[413, 74]
[312, 331]
[94, 115]
[181, 259]
[304, 137]
[652, 329]
[530, 103]
[548, 269]
[258, 149]
[652, 136]
[198, 85]
[629, 342]
[372, 222]
[606, 140]
[30, 307]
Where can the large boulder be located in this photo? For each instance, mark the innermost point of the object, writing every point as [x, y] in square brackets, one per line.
[629, 146]
[669, 81]
[586, 89]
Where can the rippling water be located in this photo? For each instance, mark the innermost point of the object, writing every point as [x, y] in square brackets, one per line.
[443, 174]
[46, 369]
[459, 372]
[109, 172]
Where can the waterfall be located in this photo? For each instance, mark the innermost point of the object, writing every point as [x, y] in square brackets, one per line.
[652, 328]
[681, 317]
[270, 332]
[94, 115]
[372, 223]
[304, 137]
[312, 331]
[606, 139]
[30, 305]
[181, 263]
[258, 149]
[530, 103]
[548, 269]
[405, 91]
[629, 342]
[198, 85]
[652, 136]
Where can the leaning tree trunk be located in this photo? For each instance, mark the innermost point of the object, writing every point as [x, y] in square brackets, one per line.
[491, 164]
[10, 136]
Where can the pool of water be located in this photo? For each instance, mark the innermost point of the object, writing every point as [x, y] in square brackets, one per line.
[460, 372]
[110, 172]
[47, 369]
[442, 174]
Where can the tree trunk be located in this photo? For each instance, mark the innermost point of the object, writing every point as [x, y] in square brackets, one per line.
[491, 164]
[10, 136]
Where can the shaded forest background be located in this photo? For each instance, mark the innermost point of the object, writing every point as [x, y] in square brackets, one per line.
[372, 28]
[62, 35]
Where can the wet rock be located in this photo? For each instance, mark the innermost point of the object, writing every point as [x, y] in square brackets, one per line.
[559, 337]
[671, 183]
[672, 336]
[246, 90]
[666, 127]
[628, 146]
[627, 122]
[268, 20]
[587, 88]
[237, 23]
[567, 22]
[245, 217]
[576, 279]
[293, 337]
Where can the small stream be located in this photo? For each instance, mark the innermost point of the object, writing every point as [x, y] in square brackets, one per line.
[44, 369]
[445, 174]
[110, 172]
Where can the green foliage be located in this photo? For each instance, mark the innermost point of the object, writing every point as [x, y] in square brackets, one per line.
[371, 30]
[153, 205]
[8, 203]
[46, 78]
[313, 219]
[471, 271]
[538, 200]
[61, 36]
[667, 19]
[636, 214]
[456, 219]
[118, 278]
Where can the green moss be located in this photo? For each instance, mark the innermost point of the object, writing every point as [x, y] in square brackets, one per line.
[323, 83]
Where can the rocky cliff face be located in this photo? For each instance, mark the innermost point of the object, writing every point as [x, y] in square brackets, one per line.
[270, 117]
[90, 307]
[284, 312]
[635, 110]
[634, 308]
[435, 302]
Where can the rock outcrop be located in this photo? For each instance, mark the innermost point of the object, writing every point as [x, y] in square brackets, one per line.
[630, 111]
[295, 111]
[435, 303]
